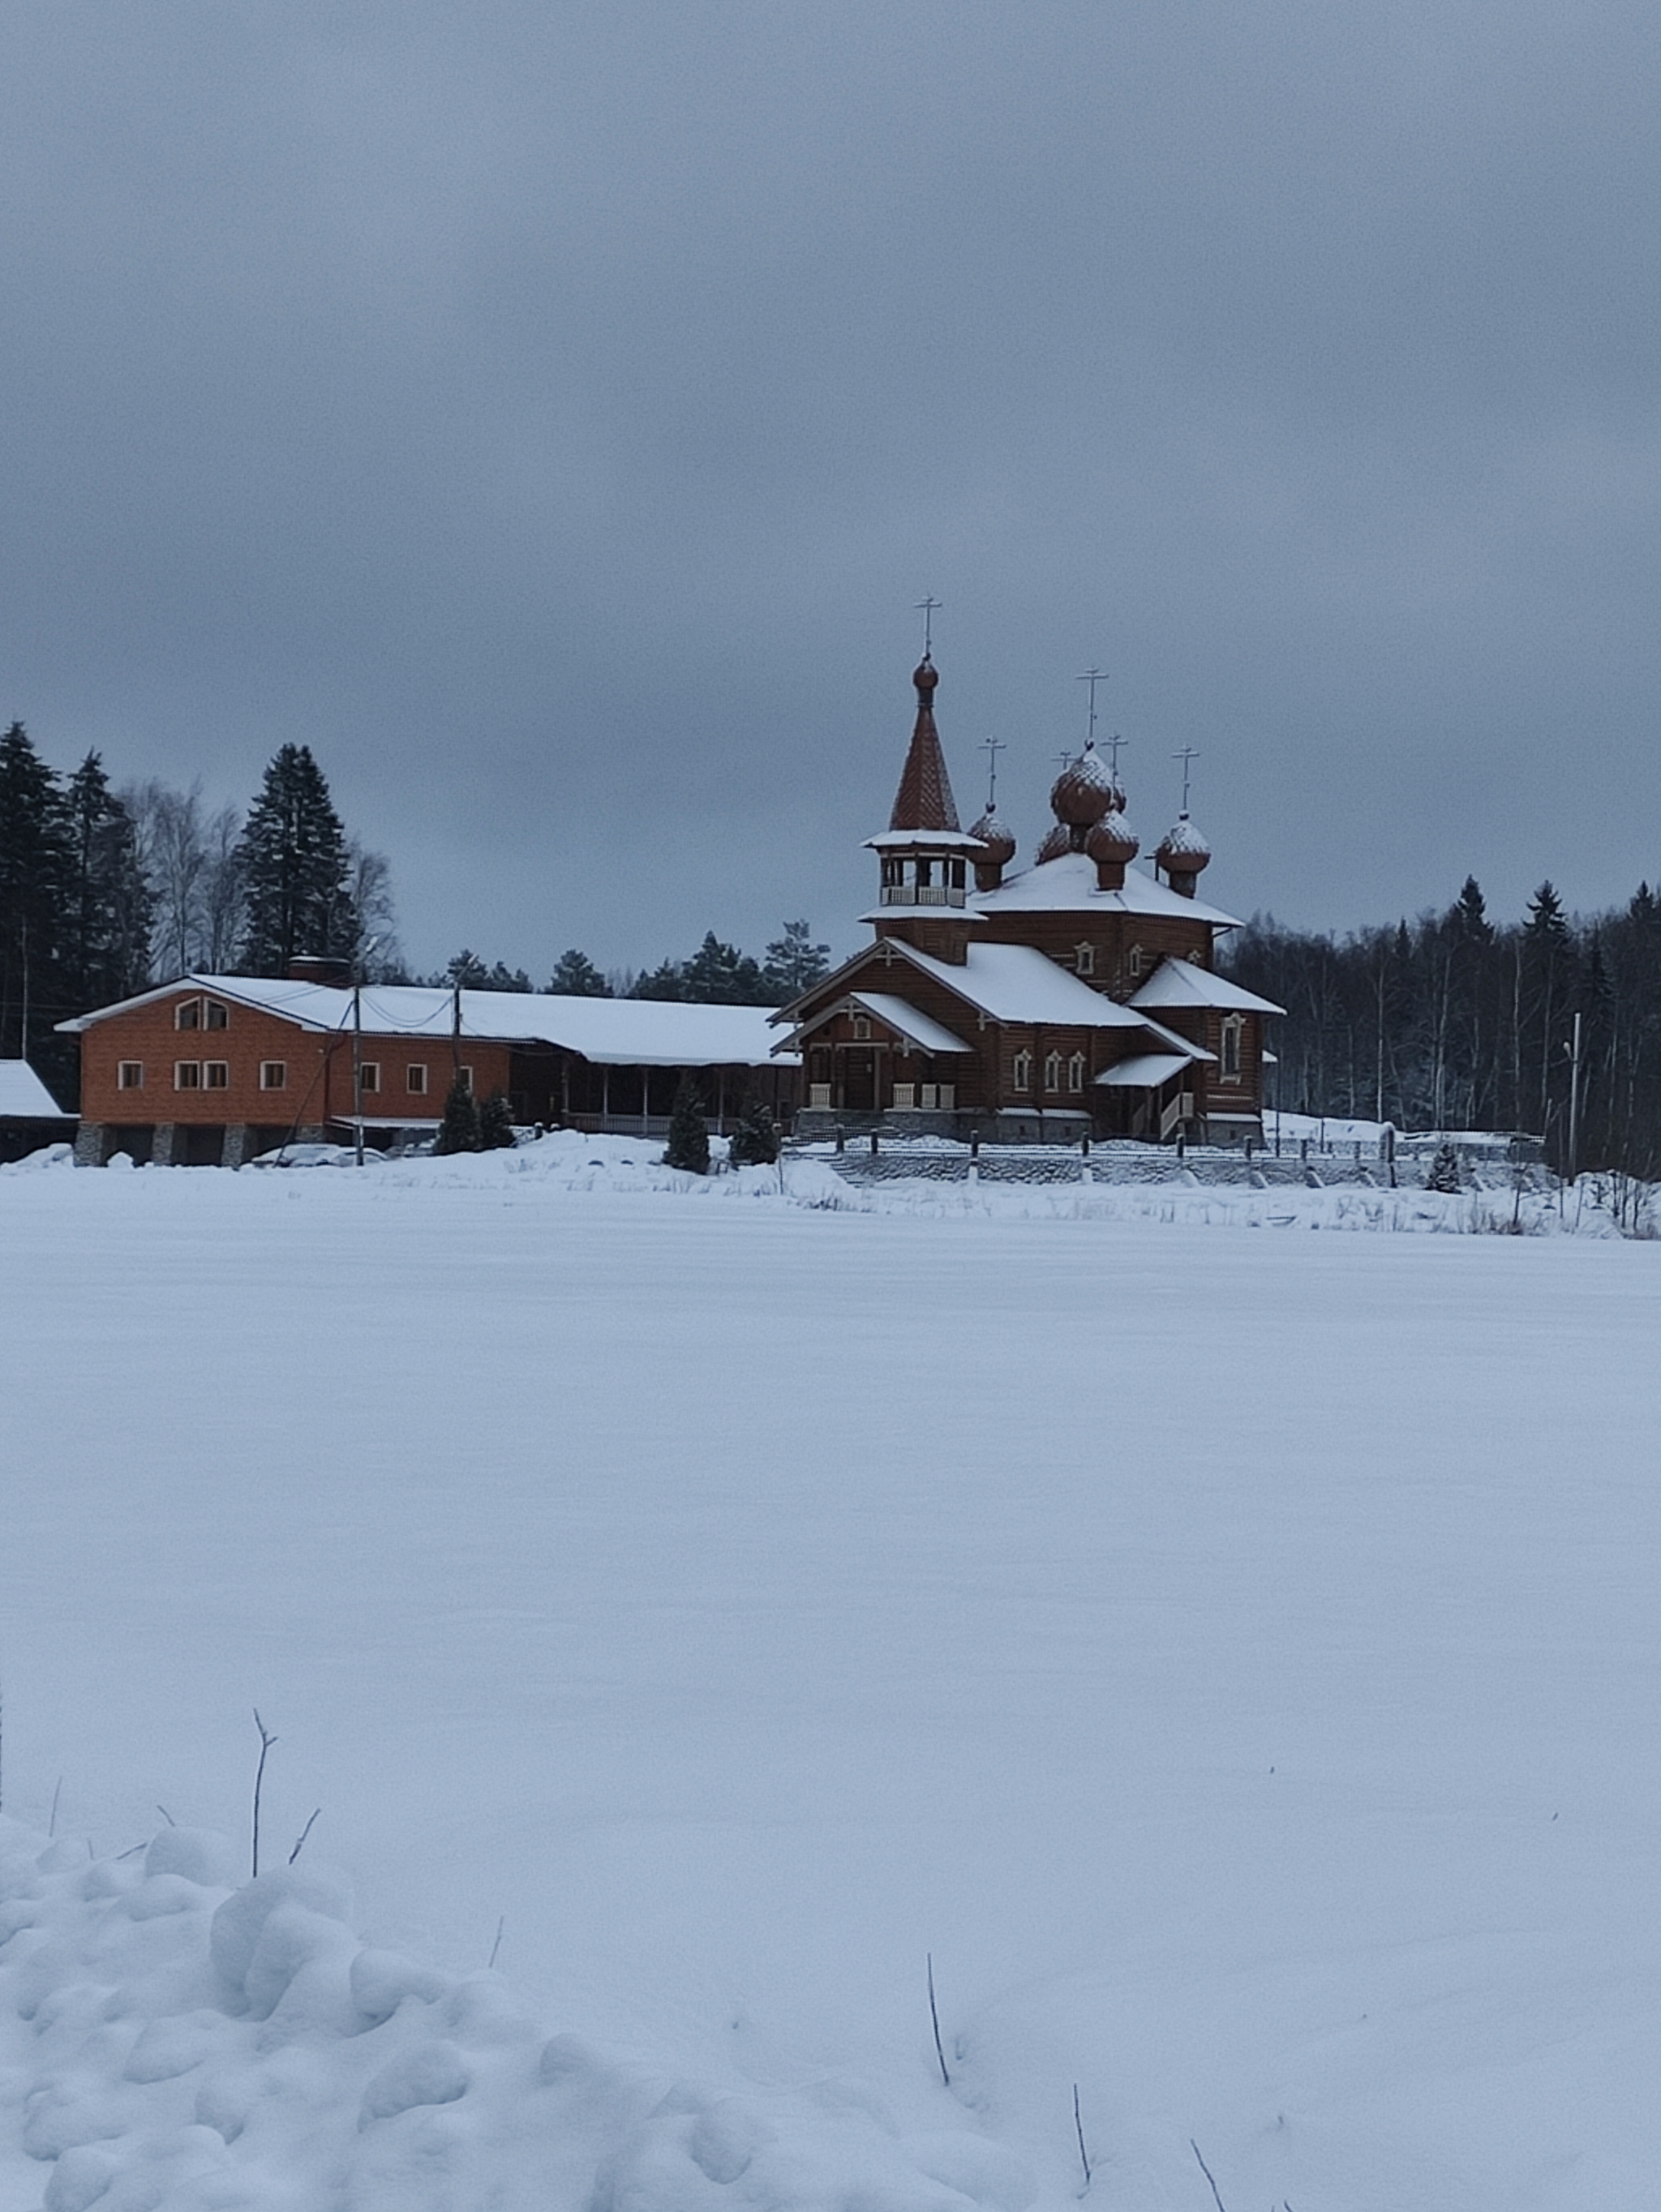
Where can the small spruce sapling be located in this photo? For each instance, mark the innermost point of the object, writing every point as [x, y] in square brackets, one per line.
[755, 1143]
[459, 1131]
[689, 1133]
[1444, 1172]
[496, 1124]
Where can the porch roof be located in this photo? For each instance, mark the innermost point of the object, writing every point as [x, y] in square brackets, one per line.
[1144, 1070]
[919, 1027]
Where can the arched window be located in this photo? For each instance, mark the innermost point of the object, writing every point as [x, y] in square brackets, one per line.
[1133, 961]
[1075, 1073]
[1021, 1073]
[1052, 1071]
[1083, 959]
[1232, 1026]
[861, 1028]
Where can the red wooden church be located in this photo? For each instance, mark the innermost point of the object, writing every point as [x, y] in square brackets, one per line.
[1077, 997]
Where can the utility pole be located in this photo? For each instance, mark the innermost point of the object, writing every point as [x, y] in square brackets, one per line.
[1573, 1052]
[358, 960]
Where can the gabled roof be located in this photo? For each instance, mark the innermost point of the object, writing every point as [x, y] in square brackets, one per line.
[1068, 884]
[24, 1098]
[1018, 983]
[616, 1032]
[1144, 1070]
[1179, 983]
[919, 1027]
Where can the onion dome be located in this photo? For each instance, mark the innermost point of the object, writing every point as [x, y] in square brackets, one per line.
[1059, 840]
[994, 835]
[1113, 840]
[925, 676]
[1083, 792]
[1183, 850]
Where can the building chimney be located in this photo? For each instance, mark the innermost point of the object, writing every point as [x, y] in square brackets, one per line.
[318, 968]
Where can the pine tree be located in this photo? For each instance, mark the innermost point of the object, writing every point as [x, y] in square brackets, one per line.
[576, 977]
[36, 873]
[458, 1132]
[296, 871]
[756, 1142]
[496, 1124]
[108, 924]
[792, 964]
[689, 1133]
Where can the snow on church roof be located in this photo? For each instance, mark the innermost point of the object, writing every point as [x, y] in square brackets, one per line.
[920, 1028]
[1180, 983]
[24, 1098]
[1068, 885]
[615, 1032]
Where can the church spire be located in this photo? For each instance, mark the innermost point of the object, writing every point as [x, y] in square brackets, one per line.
[924, 799]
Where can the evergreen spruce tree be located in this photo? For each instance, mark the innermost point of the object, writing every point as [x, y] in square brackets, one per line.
[689, 1133]
[111, 908]
[295, 871]
[1445, 1171]
[35, 878]
[576, 977]
[458, 1132]
[496, 1124]
[756, 1142]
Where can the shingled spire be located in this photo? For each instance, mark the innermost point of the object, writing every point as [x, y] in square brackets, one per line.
[924, 800]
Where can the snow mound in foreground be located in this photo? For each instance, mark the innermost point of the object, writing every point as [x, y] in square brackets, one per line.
[167, 2039]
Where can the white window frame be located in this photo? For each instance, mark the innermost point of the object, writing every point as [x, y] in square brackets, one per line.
[905, 1098]
[861, 1028]
[1230, 1054]
[368, 1076]
[187, 1014]
[1075, 1073]
[466, 1074]
[280, 1082]
[130, 1075]
[1052, 1071]
[215, 1014]
[415, 1079]
[818, 1094]
[216, 1075]
[1083, 959]
[1020, 1071]
[187, 1075]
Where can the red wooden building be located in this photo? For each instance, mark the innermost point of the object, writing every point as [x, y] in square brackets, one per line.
[1077, 997]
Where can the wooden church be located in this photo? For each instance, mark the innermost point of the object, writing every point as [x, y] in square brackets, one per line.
[1078, 997]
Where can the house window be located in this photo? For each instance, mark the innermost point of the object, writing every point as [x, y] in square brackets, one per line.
[130, 1076]
[1083, 959]
[414, 1077]
[1052, 1071]
[948, 1096]
[368, 1075]
[861, 1028]
[187, 1014]
[187, 1075]
[1134, 960]
[905, 1097]
[818, 1094]
[1021, 1073]
[1233, 1026]
[273, 1074]
[464, 1078]
[216, 1075]
[1075, 1073]
[215, 1015]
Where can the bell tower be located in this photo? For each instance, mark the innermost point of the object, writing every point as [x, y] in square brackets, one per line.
[926, 857]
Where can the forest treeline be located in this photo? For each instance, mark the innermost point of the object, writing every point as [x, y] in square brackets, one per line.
[1456, 1022]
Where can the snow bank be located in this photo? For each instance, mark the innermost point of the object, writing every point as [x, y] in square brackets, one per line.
[166, 2040]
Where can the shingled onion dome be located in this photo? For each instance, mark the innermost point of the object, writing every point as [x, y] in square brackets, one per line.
[1081, 794]
[1058, 841]
[1112, 845]
[1183, 852]
[1000, 850]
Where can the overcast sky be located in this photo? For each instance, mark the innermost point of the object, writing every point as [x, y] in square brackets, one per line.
[552, 412]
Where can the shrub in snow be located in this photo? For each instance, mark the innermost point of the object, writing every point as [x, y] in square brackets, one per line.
[459, 1131]
[689, 1133]
[496, 1124]
[1444, 1172]
[756, 1141]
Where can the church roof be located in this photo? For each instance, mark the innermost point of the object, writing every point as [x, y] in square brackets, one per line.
[920, 1028]
[924, 799]
[1068, 884]
[1180, 983]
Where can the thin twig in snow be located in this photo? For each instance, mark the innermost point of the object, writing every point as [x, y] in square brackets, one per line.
[267, 1741]
[935, 2017]
[496, 1946]
[1206, 2170]
[304, 1832]
[1084, 2156]
[52, 1825]
[167, 1816]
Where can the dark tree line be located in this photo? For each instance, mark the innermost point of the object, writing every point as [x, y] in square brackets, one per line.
[716, 974]
[1455, 1022]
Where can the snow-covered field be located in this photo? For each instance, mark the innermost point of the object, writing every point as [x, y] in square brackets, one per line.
[1232, 1652]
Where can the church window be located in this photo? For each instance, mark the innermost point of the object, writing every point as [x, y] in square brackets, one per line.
[1075, 1073]
[1133, 961]
[818, 1094]
[1021, 1073]
[1083, 959]
[1052, 1071]
[925, 872]
[1232, 1026]
[905, 1098]
[893, 872]
[861, 1028]
[957, 878]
